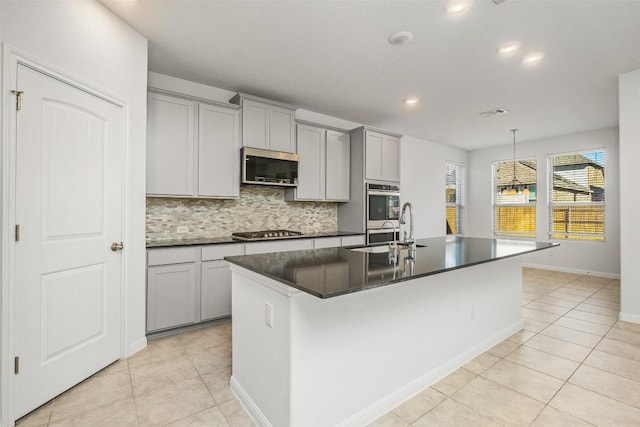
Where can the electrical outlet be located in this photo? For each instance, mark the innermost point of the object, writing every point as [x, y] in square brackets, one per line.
[183, 229]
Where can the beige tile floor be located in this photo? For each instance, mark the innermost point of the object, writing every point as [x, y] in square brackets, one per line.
[573, 364]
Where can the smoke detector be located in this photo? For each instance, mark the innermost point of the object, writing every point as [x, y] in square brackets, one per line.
[494, 112]
[401, 37]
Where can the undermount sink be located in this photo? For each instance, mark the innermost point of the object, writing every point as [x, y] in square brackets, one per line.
[380, 249]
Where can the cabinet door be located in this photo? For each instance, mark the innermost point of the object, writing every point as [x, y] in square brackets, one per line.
[390, 157]
[215, 296]
[171, 293]
[255, 124]
[337, 175]
[170, 146]
[218, 152]
[282, 130]
[311, 168]
[373, 155]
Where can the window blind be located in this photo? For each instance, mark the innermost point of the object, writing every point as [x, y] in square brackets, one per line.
[514, 213]
[577, 195]
[454, 197]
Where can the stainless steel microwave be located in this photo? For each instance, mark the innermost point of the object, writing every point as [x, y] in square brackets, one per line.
[265, 167]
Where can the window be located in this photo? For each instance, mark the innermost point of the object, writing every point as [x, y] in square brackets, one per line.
[453, 197]
[576, 195]
[515, 195]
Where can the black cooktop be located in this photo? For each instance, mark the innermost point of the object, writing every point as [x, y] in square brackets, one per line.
[265, 234]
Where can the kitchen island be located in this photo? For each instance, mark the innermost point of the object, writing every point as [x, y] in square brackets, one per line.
[339, 336]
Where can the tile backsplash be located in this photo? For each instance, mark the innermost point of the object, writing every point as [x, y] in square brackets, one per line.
[258, 208]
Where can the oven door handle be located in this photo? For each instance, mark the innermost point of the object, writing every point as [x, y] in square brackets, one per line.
[382, 230]
[383, 193]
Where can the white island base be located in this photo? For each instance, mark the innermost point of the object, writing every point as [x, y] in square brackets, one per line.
[347, 360]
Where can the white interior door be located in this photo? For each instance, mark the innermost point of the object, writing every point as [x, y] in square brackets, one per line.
[69, 208]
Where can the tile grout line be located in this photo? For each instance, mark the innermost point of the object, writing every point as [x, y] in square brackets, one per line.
[581, 364]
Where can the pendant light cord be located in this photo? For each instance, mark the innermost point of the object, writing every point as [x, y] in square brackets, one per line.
[514, 156]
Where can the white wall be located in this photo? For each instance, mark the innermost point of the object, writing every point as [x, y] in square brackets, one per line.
[629, 101]
[84, 40]
[423, 178]
[599, 258]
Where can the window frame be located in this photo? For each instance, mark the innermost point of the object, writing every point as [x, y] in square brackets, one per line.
[495, 205]
[458, 205]
[570, 236]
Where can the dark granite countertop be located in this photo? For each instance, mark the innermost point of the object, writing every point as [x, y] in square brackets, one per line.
[353, 271]
[229, 239]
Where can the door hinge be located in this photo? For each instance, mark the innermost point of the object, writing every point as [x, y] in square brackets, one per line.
[17, 232]
[18, 94]
[16, 365]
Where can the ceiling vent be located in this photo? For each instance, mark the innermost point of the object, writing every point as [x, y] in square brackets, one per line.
[494, 112]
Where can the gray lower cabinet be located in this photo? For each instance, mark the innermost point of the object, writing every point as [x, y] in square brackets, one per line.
[171, 292]
[188, 285]
[215, 290]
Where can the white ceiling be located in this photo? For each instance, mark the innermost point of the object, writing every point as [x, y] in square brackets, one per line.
[333, 57]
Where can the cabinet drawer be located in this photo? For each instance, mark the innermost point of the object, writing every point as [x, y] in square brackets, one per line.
[214, 252]
[327, 242]
[279, 246]
[171, 256]
[353, 240]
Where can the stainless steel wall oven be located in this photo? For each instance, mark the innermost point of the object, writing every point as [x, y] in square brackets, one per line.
[383, 205]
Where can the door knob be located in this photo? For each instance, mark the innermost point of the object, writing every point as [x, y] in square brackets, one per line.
[115, 246]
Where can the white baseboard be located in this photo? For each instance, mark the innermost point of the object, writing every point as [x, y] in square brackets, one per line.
[406, 392]
[136, 346]
[572, 270]
[628, 317]
[248, 404]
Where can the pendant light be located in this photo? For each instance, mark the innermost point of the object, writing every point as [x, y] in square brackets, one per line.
[514, 187]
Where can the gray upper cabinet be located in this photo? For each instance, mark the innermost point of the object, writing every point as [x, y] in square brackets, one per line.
[266, 124]
[382, 156]
[218, 152]
[170, 146]
[311, 168]
[323, 170]
[338, 165]
[193, 148]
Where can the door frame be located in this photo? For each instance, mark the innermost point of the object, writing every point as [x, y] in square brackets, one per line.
[11, 58]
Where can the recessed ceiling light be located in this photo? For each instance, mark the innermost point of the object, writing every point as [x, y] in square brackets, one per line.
[508, 48]
[412, 101]
[401, 37]
[457, 7]
[532, 58]
[494, 112]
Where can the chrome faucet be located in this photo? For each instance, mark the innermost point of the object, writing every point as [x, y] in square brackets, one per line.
[412, 237]
[411, 241]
